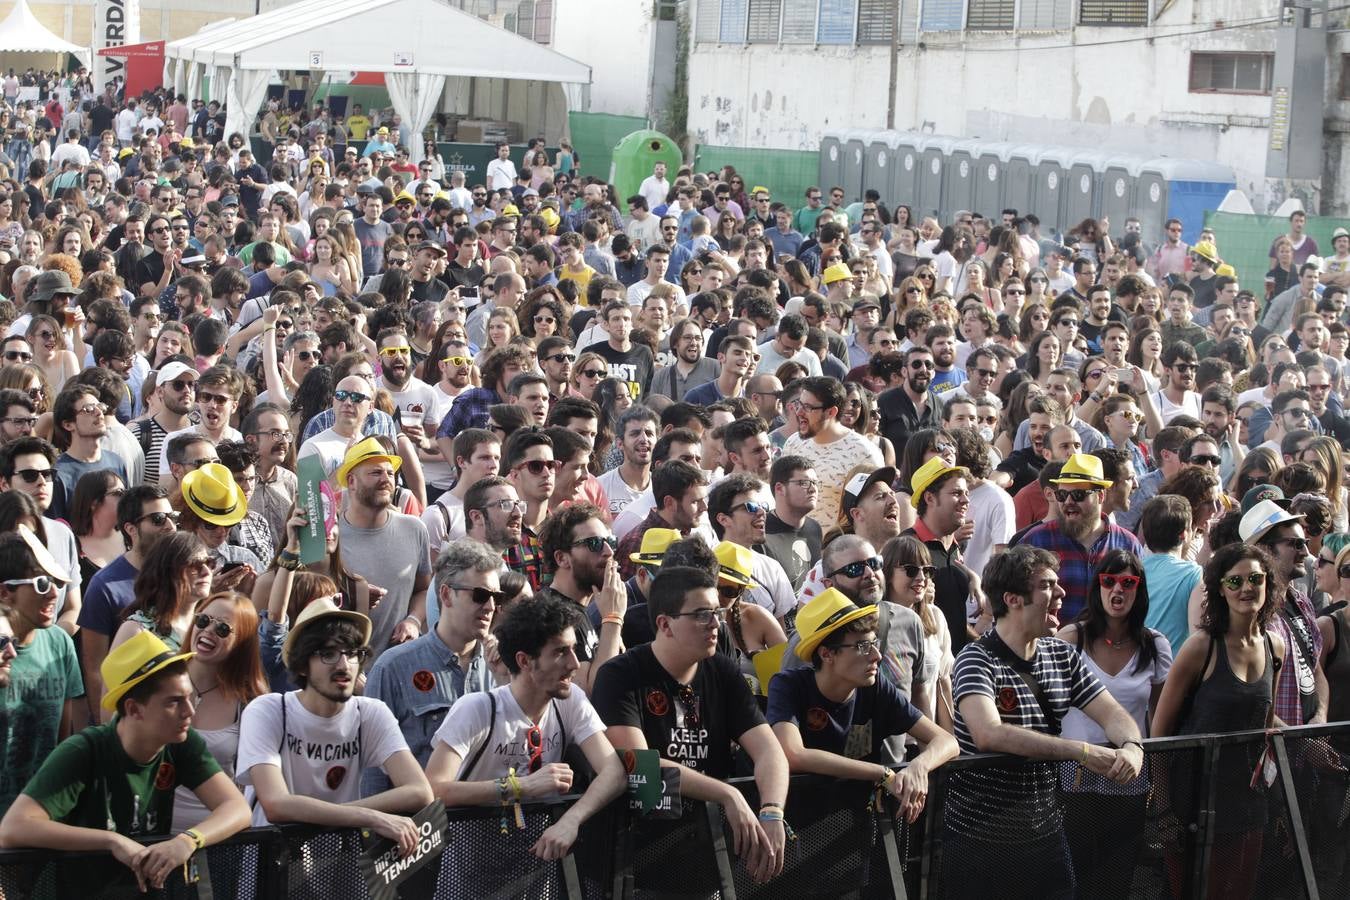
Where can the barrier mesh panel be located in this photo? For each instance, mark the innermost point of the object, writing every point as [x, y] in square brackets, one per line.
[673, 858]
[479, 861]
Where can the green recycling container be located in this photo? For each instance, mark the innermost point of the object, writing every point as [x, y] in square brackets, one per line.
[634, 157]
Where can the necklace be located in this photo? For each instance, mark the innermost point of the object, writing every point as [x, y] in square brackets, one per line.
[1115, 645]
[198, 691]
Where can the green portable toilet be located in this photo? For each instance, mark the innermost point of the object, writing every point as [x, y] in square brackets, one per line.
[634, 157]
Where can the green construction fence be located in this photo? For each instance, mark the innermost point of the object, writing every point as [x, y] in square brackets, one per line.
[786, 173]
[594, 136]
[1244, 241]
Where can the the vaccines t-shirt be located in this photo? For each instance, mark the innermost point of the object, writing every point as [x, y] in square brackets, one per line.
[319, 757]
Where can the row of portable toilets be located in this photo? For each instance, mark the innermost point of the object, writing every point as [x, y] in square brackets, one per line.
[937, 176]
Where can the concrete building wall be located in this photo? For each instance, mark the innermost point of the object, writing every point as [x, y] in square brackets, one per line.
[616, 39]
[1124, 89]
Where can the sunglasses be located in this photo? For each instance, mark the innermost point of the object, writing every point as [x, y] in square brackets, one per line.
[480, 595]
[223, 629]
[597, 543]
[918, 364]
[158, 519]
[594, 373]
[31, 476]
[538, 466]
[350, 396]
[1297, 543]
[856, 569]
[1078, 495]
[1343, 571]
[458, 360]
[1206, 459]
[18, 356]
[1234, 582]
[405, 350]
[914, 571]
[42, 584]
[222, 399]
[561, 357]
[730, 593]
[751, 507]
[1126, 582]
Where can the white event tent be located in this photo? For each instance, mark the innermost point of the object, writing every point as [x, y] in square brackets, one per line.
[417, 44]
[21, 32]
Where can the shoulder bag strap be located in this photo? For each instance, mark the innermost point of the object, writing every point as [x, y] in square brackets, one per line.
[996, 646]
[478, 754]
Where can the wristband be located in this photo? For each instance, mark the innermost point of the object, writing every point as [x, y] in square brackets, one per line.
[771, 805]
[1086, 751]
[771, 816]
[416, 621]
[195, 836]
[611, 619]
[1138, 744]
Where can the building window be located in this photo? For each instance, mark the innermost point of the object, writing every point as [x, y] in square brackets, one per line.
[1345, 76]
[667, 10]
[990, 15]
[942, 15]
[1045, 15]
[765, 18]
[1113, 12]
[1231, 73]
[799, 21]
[876, 21]
[707, 21]
[733, 22]
[836, 21]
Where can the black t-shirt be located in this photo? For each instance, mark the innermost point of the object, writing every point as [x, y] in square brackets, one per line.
[433, 290]
[150, 269]
[36, 200]
[251, 196]
[101, 119]
[587, 637]
[633, 365]
[856, 728]
[1205, 293]
[464, 276]
[633, 689]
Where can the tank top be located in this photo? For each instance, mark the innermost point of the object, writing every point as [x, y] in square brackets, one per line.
[1338, 672]
[1223, 702]
[223, 743]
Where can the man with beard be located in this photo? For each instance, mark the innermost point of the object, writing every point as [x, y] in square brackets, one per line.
[470, 409]
[78, 425]
[391, 549]
[493, 513]
[691, 367]
[679, 494]
[556, 357]
[267, 432]
[453, 652]
[1079, 534]
[416, 401]
[1319, 388]
[581, 551]
[738, 514]
[1029, 503]
[425, 284]
[913, 405]
[1043, 415]
[347, 734]
[625, 482]
[1302, 693]
[527, 726]
[37, 706]
[941, 339]
[736, 357]
[832, 448]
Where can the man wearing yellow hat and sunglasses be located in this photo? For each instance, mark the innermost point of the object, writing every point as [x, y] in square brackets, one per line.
[834, 718]
[109, 785]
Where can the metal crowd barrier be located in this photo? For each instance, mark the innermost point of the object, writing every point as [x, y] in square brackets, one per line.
[1198, 825]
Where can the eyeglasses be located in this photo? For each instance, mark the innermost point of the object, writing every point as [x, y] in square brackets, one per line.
[702, 617]
[1298, 543]
[405, 350]
[329, 656]
[158, 519]
[597, 543]
[350, 397]
[223, 629]
[42, 584]
[856, 569]
[751, 507]
[538, 466]
[506, 505]
[198, 463]
[1235, 582]
[458, 360]
[31, 476]
[1078, 495]
[21, 421]
[480, 595]
[808, 484]
[1206, 459]
[18, 356]
[203, 566]
[1126, 582]
[594, 373]
[914, 571]
[1343, 571]
[862, 648]
[92, 409]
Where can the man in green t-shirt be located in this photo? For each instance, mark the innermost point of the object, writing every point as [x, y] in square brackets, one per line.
[110, 784]
[37, 705]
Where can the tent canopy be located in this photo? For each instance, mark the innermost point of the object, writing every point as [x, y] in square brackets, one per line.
[21, 32]
[428, 37]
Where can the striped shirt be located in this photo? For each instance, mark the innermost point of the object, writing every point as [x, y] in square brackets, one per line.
[1010, 804]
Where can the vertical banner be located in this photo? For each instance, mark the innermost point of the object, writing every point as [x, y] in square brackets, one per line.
[116, 22]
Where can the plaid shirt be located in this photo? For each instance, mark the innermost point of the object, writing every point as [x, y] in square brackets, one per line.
[254, 533]
[470, 410]
[1297, 677]
[1076, 561]
[527, 558]
[378, 422]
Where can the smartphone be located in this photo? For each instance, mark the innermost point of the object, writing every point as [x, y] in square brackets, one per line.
[229, 566]
[1125, 374]
[469, 297]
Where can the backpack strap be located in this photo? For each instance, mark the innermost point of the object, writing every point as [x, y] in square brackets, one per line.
[994, 644]
[464, 770]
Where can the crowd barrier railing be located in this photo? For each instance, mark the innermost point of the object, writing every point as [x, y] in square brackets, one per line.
[1251, 814]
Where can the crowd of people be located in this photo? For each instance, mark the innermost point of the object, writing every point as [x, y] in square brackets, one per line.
[835, 488]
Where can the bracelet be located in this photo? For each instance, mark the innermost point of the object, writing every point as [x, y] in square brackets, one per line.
[416, 621]
[195, 836]
[288, 561]
[771, 816]
[771, 805]
[1086, 751]
[611, 619]
[1138, 744]
[267, 328]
